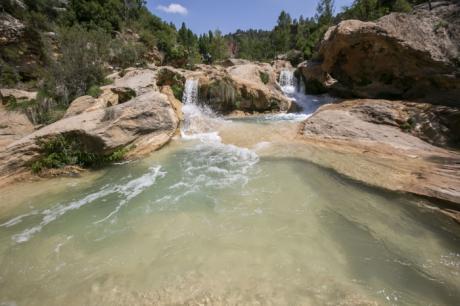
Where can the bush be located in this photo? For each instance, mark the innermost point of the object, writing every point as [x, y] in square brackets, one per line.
[80, 66]
[127, 54]
[264, 77]
[94, 91]
[8, 75]
[402, 6]
[67, 150]
[178, 91]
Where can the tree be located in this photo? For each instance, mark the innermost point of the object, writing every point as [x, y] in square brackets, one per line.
[282, 33]
[218, 47]
[325, 12]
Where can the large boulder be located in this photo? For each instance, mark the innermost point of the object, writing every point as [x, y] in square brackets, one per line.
[239, 85]
[387, 144]
[405, 56]
[145, 124]
[396, 123]
[243, 86]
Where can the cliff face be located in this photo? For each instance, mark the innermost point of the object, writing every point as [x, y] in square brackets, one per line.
[401, 56]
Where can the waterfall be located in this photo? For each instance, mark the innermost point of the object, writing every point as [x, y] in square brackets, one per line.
[294, 89]
[288, 81]
[190, 92]
[199, 121]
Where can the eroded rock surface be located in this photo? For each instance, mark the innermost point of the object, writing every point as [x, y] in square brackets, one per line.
[146, 123]
[13, 126]
[408, 56]
[371, 142]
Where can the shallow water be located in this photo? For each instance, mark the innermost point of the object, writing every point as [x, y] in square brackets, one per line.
[219, 218]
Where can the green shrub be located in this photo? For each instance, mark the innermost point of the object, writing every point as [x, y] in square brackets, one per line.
[94, 91]
[8, 75]
[81, 65]
[402, 6]
[264, 77]
[127, 54]
[178, 91]
[68, 150]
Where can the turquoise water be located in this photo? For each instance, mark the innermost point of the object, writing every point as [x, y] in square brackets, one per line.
[202, 222]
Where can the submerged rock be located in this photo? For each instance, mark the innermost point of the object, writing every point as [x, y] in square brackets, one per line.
[405, 56]
[387, 144]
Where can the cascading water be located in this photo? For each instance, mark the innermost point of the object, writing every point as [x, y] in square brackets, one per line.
[294, 89]
[199, 121]
[288, 81]
[190, 92]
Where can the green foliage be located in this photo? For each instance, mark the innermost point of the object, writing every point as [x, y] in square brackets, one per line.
[9, 76]
[94, 91]
[178, 91]
[325, 12]
[402, 6]
[264, 77]
[80, 66]
[125, 54]
[68, 150]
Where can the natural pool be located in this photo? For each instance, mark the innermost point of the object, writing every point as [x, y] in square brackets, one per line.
[227, 214]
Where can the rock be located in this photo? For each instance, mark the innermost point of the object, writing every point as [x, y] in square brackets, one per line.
[146, 122]
[177, 105]
[395, 123]
[11, 29]
[369, 140]
[13, 126]
[154, 56]
[139, 80]
[401, 56]
[293, 56]
[245, 86]
[234, 62]
[280, 65]
[80, 105]
[124, 94]
[16, 95]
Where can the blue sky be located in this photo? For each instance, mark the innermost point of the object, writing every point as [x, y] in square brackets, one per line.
[230, 15]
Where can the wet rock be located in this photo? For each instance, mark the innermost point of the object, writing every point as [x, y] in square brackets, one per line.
[390, 144]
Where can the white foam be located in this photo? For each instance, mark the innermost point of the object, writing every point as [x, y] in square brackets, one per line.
[130, 190]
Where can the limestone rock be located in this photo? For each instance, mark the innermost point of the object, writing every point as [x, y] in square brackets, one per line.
[396, 123]
[405, 56]
[7, 95]
[13, 126]
[147, 122]
[384, 143]
[80, 105]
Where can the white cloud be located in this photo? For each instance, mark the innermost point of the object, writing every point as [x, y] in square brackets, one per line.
[173, 8]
